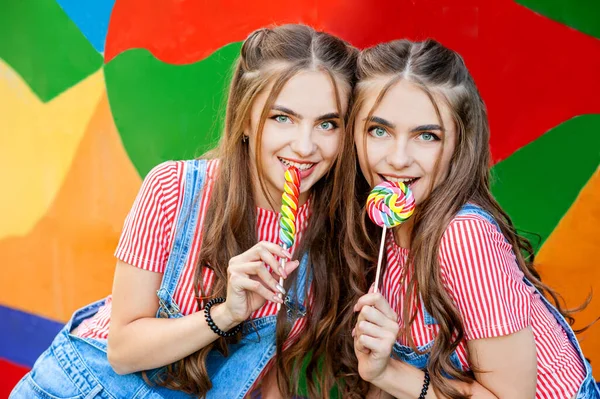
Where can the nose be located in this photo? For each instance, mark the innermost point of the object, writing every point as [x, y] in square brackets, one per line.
[303, 144]
[399, 155]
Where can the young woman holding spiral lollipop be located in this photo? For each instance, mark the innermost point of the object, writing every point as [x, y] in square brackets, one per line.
[461, 310]
[203, 235]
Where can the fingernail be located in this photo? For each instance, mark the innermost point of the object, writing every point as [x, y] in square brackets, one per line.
[276, 298]
[282, 272]
[286, 253]
[281, 289]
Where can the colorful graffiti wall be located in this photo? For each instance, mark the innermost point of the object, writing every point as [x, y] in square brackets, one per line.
[94, 93]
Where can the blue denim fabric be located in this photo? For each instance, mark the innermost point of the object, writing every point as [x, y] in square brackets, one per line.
[588, 390]
[75, 367]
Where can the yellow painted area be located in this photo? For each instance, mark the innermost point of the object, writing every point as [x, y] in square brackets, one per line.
[37, 144]
[569, 262]
[66, 260]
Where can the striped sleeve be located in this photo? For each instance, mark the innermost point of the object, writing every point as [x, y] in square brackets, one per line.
[480, 272]
[146, 238]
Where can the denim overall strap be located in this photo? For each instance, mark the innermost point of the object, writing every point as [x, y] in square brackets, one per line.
[470, 209]
[185, 228]
[294, 300]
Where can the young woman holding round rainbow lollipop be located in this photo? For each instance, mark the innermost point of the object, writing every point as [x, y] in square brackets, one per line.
[461, 309]
[204, 235]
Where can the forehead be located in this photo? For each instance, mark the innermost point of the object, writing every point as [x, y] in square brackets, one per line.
[310, 94]
[405, 104]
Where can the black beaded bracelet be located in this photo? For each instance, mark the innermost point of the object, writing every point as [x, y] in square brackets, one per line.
[211, 323]
[425, 386]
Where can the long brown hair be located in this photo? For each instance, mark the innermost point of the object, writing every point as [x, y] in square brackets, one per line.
[269, 58]
[441, 73]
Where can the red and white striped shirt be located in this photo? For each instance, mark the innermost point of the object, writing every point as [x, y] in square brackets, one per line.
[482, 277]
[148, 235]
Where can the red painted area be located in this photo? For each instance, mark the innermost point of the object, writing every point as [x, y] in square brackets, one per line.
[11, 374]
[521, 61]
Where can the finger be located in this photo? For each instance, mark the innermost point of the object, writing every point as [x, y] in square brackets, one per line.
[258, 269]
[372, 288]
[242, 283]
[378, 301]
[269, 259]
[253, 253]
[275, 249]
[373, 315]
[290, 266]
[374, 345]
[359, 347]
[373, 330]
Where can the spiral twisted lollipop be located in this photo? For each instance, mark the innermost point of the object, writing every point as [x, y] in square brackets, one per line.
[289, 212]
[389, 204]
[289, 207]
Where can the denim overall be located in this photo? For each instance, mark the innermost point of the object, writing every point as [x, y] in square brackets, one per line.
[588, 389]
[78, 368]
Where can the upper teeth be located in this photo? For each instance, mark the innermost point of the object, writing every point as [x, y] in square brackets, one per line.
[300, 166]
[401, 179]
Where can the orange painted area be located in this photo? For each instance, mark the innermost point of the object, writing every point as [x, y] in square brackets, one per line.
[66, 260]
[569, 262]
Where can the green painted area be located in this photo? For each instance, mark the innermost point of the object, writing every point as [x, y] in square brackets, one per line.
[165, 111]
[44, 46]
[582, 15]
[538, 183]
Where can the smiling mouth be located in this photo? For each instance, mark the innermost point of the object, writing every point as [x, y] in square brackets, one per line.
[409, 181]
[302, 166]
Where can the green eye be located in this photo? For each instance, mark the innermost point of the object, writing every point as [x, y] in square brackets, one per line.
[429, 136]
[282, 119]
[378, 132]
[327, 126]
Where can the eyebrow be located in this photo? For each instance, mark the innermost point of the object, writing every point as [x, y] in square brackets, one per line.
[421, 128]
[331, 115]
[381, 121]
[426, 127]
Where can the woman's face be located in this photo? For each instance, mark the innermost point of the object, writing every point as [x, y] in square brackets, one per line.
[302, 130]
[404, 137]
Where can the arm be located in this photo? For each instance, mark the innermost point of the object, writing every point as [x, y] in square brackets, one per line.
[139, 341]
[506, 365]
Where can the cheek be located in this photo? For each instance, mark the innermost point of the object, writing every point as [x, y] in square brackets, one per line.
[272, 139]
[330, 146]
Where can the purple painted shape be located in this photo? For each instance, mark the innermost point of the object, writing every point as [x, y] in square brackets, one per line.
[24, 336]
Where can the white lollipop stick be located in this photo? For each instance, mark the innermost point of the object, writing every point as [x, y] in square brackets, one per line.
[378, 272]
[281, 283]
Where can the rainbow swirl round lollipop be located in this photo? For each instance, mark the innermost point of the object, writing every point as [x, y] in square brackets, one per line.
[289, 207]
[390, 204]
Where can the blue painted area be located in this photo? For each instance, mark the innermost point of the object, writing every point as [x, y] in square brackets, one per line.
[24, 336]
[91, 17]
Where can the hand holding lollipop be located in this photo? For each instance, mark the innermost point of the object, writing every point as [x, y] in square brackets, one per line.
[289, 212]
[389, 204]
